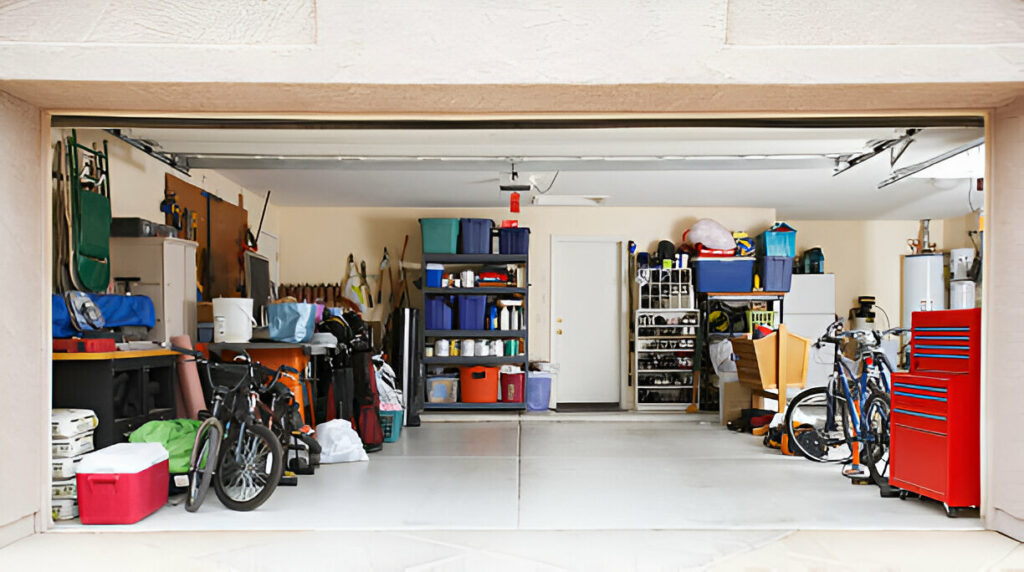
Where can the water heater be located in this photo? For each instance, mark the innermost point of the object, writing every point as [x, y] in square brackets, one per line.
[924, 287]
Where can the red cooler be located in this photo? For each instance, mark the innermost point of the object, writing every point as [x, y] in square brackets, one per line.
[122, 483]
[512, 387]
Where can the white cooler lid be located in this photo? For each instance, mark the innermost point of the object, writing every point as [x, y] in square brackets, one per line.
[123, 458]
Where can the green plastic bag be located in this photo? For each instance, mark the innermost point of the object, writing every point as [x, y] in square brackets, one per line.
[176, 435]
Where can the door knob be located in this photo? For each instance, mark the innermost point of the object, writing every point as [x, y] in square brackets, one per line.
[559, 332]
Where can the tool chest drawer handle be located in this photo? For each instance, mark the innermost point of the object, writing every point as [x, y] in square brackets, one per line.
[945, 356]
[916, 414]
[919, 396]
[945, 338]
[930, 347]
[937, 329]
[921, 387]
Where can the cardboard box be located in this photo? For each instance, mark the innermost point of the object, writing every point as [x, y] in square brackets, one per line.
[733, 397]
[204, 312]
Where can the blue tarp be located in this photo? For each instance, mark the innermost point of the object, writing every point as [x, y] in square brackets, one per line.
[117, 311]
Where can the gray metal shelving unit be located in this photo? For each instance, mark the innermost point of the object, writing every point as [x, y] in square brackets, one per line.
[429, 336]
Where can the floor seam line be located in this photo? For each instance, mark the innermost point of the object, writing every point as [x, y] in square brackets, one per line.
[519, 470]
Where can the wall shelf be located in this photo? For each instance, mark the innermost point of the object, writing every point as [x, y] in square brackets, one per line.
[474, 333]
[469, 406]
[472, 259]
[481, 290]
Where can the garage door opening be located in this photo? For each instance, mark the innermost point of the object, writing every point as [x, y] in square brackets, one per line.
[856, 190]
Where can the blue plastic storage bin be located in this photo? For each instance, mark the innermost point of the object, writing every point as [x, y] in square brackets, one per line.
[780, 240]
[514, 240]
[723, 274]
[440, 235]
[439, 313]
[776, 273]
[471, 312]
[475, 235]
[538, 390]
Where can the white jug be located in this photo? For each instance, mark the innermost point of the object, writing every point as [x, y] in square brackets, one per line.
[232, 320]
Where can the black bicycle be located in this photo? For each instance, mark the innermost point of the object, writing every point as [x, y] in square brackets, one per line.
[234, 451]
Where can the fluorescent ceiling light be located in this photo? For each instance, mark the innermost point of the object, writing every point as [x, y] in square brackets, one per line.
[569, 200]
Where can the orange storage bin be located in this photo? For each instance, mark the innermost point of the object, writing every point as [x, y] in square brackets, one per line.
[294, 357]
[478, 384]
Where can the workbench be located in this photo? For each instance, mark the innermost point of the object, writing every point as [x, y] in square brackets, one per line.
[124, 388]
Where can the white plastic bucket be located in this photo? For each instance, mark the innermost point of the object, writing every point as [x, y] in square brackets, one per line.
[232, 320]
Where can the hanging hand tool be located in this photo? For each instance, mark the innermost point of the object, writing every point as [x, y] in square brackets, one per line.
[364, 284]
[385, 264]
[403, 282]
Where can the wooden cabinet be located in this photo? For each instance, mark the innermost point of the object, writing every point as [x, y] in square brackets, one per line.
[166, 268]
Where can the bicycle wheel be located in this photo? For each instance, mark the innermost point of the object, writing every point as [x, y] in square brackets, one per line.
[251, 464]
[875, 434]
[815, 429]
[203, 462]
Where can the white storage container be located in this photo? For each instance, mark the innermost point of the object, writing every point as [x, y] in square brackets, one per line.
[66, 489]
[66, 423]
[72, 446]
[64, 509]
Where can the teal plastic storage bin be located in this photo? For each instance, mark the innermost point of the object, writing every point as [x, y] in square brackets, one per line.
[779, 240]
[440, 235]
[391, 425]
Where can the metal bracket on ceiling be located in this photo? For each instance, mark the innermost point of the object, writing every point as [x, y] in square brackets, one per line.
[176, 162]
[876, 146]
[896, 152]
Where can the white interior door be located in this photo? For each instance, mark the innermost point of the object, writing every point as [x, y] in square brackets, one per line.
[269, 245]
[587, 313]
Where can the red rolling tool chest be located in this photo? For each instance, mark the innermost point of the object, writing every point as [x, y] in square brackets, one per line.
[935, 426]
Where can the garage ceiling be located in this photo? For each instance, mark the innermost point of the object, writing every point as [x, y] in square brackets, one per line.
[790, 169]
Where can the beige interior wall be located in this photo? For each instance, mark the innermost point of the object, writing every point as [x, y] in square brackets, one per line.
[864, 256]
[316, 241]
[137, 182]
[1004, 360]
[24, 330]
[954, 231]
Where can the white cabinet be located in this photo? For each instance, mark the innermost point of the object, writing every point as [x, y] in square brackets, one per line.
[166, 268]
[810, 306]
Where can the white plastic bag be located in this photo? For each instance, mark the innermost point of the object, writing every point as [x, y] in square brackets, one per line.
[339, 442]
[711, 235]
[721, 360]
[390, 395]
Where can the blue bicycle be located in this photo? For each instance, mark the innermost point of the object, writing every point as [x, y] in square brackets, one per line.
[847, 421]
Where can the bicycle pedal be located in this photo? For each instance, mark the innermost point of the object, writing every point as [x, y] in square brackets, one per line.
[860, 481]
[288, 481]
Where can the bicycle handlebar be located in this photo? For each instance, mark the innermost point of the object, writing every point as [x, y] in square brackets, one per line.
[187, 352]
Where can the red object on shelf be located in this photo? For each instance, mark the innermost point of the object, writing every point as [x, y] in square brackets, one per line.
[512, 387]
[478, 384]
[513, 203]
[935, 425]
[84, 345]
[509, 223]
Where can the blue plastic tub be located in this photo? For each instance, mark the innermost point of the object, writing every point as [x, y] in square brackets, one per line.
[776, 273]
[439, 313]
[538, 390]
[514, 240]
[471, 312]
[475, 235]
[440, 235]
[723, 274]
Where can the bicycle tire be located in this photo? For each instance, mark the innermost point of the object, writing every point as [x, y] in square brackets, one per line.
[809, 409]
[875, 441]
[200, 474]
[243, 480]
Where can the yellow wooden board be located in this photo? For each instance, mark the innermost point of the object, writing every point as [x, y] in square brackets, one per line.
[84, 356]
